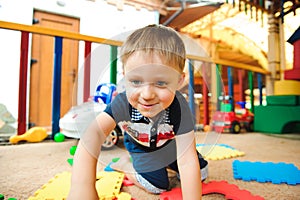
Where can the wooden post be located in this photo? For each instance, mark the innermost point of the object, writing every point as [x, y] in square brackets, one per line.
[273, 54]
[113, 64]
[250, 77]
[56, 85]
[230, 87]
[87, 71]
[205, 95]
[23, 83]
[260, 87]
[219, 84]
[241, 85]
[191, 87]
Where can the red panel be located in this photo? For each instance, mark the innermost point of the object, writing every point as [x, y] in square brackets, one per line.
[87, 71]
[23, 83]
[294, 74]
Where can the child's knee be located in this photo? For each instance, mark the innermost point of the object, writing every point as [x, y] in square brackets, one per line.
[155, 189]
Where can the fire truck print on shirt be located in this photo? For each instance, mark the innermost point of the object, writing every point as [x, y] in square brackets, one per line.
[141, 132]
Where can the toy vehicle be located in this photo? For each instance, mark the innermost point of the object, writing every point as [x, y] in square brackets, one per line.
[230, 121]
[76, 120]
[112, 139]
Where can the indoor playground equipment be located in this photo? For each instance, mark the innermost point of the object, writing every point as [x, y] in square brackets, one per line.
[59, 37]
[281, 114]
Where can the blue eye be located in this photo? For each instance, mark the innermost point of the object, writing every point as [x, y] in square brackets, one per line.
[136, 82]
[161, 84]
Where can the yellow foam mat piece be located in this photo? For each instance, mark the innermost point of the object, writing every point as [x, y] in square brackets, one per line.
[217, 152]
[57, 188]
[124, 196]
[108, 186]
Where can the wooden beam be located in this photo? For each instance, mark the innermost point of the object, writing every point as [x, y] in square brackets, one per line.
[230, 63]
[59, 33]
[77, 36]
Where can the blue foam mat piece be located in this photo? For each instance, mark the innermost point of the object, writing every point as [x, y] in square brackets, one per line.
[108, 167]
[276, 173]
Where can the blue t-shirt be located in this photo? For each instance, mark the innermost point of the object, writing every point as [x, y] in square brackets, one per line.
[146, 139]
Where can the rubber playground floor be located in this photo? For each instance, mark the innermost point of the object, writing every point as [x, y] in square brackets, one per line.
[26, 167]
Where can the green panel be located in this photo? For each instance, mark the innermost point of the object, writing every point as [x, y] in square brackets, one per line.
[226, 107]
[277, 119]
[289, 100]
[113, 64]
[219, 84]
[251, 87]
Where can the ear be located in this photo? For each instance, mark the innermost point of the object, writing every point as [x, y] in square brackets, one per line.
[181, 80]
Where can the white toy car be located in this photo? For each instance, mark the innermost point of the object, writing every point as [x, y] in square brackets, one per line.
[77, 119]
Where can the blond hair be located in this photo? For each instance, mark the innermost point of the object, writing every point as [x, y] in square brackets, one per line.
[156, 39]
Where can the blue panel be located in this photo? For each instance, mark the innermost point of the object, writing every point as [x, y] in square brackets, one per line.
[191, 87]
[276, 173]
[56, 85]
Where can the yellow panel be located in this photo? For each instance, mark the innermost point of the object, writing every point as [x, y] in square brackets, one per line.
[287, 87]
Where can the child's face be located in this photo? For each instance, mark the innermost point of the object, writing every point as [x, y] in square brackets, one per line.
[150, 84]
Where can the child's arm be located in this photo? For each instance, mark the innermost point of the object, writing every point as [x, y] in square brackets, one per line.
[86, 156]
[189, 169]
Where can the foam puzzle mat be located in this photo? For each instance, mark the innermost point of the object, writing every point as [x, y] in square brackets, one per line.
[57, 188]
[275, 173]
[108, 186]
[218, 151]
[230, 191]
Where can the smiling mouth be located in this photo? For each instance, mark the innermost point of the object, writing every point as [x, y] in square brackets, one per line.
[147, 106]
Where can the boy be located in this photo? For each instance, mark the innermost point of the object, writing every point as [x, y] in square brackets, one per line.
[157, 123]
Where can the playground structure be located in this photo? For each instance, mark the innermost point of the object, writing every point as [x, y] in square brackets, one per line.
[281, 114]
[288, 100]
[59, 36]
[229, 87]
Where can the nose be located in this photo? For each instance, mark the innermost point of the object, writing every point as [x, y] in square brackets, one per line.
[148, 92]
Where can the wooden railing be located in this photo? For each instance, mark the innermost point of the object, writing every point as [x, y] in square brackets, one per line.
[59, 35]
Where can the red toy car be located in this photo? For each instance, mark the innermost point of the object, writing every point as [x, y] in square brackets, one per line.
[232, 121]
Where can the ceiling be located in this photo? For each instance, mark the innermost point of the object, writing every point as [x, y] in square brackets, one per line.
[234, 32]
